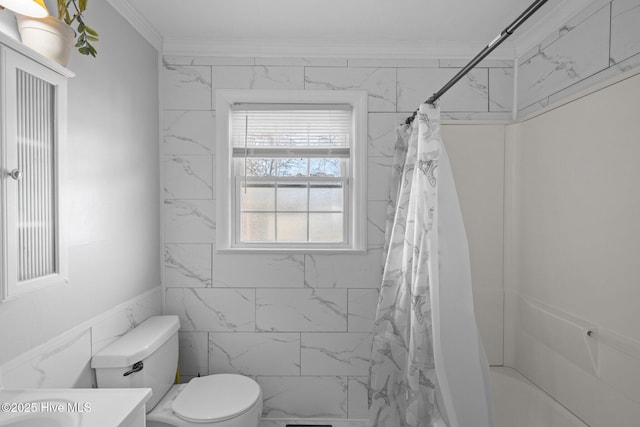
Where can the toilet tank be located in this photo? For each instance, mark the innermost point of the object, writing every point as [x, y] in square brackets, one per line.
[154, 343]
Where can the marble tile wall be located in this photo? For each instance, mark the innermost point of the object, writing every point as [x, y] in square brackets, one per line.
[599, 43]
[300, 324]
[65, 361]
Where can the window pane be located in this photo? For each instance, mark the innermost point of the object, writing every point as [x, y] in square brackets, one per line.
[292, 227]
[292, 167]
[257, 197]
[260, 167]
[292, 197]
[325, 227]
[326, 197]
[324, 167]
[258, 227]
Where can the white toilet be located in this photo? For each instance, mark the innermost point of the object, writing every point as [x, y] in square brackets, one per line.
[147, 356]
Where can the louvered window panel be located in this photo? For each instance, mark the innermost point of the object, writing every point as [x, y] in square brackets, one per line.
[36, 190]
[33, 242]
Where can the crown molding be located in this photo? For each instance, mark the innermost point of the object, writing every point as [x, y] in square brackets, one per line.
[327, 49]
[555, 18]
[520, 43]
[138, 22]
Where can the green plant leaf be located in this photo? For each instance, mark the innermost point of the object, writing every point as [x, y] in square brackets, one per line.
[61, 8]
[93, 39]
[84, 50]
[92, 51]
[81, 28]
[82, 5]
[91, 31]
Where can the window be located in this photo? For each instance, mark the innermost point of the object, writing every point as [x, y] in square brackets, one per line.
[291, 170]
[32, 250]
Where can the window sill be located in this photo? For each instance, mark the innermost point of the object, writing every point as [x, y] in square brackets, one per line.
[293, 251]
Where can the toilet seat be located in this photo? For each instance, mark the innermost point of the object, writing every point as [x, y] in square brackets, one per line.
[215, 398]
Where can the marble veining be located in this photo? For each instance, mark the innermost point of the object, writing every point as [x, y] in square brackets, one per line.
[358, 397]
[376, 216]
[188, 265]
[301, 310]
[382, 133]
[501, 89]
[362, 309]
[188, 177]
[189, 132]
[267, 270]
[254, 353]
[63, 366]
[335, 353]
[208, 60]
[206, 309]
[379, 82]
[625, 37]
[123, 320]
[189, 221]
[416, 84]
[258, 77]
[194, 353]
[580, 53]
[304, 397]
[344, 270]
[186, 87]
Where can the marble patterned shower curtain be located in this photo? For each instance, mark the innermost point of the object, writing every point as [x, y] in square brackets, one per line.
[428, 367]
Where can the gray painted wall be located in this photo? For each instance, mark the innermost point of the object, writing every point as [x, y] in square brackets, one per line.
[112, 187]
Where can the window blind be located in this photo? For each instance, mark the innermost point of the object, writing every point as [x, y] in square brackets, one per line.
[291, 130]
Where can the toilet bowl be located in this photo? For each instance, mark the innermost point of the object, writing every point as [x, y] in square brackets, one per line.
[147, 356]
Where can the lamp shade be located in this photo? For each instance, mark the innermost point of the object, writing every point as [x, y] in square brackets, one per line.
[32, 8]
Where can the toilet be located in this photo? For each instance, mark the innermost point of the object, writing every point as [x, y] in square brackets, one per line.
[147, 356]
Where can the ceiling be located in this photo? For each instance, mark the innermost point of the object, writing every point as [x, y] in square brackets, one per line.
[356, 27]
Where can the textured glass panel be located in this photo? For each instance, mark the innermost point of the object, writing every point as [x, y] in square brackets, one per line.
[36, 192]
[292, 167]
[324, 167]
[326, 197]
[258, 227]
[292, 197]
[292, 227]
[257, 197]
[325, 227]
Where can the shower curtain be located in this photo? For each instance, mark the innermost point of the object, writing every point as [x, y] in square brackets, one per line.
[428, 367]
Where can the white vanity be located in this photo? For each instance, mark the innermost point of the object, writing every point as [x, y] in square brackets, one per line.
[73, 407]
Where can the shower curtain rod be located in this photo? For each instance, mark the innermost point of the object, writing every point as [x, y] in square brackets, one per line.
[486, 51]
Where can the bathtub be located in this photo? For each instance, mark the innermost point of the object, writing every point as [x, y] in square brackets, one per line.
[520, 403]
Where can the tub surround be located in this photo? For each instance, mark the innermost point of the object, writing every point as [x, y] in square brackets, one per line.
[520, 403]
[573, 238]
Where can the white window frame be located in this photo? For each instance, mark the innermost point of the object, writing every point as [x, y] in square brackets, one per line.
[226, 228]
[10, 286]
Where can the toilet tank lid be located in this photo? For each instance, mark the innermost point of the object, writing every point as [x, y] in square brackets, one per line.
[138, 343]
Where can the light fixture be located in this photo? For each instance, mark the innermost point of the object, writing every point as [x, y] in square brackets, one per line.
[32, 8]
